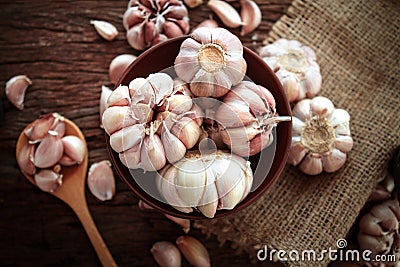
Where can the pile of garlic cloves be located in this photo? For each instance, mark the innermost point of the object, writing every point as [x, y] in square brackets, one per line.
[48, 150]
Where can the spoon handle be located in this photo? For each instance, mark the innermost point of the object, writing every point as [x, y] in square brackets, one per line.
[102, 251]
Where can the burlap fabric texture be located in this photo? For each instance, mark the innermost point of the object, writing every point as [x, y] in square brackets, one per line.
[358, 48]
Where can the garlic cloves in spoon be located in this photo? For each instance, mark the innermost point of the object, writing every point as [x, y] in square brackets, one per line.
[25, 159]
[15, 90]
[48, 180]
[49, 151]
[101, 180]
[74, 148]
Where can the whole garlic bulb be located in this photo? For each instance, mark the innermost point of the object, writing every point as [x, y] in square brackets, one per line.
[379, 230]
[320, 136]
[247, 117]
[211, 61]
[149, 22]
[206, 182]
[296, 67]
[151, 121]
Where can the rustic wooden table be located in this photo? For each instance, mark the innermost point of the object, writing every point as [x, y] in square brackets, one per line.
[54, 44]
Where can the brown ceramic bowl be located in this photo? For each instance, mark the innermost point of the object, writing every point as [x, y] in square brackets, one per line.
[266, 165]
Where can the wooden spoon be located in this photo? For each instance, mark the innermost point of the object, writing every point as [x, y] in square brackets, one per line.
[72, 192]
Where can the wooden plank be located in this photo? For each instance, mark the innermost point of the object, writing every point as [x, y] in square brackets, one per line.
[54, 44]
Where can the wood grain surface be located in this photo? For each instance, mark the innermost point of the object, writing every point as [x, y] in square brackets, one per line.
[54, 44]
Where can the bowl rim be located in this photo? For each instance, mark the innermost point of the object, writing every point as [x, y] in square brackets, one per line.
[253, 196]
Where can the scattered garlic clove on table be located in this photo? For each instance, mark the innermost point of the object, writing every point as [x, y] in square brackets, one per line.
[105, 29]
[320, 136]
[227, 13]
[251, 16]
[73, 148]
[15, 90]
[296, 67]
[101, 180]
[49, 151]
[166, 254]
[193, 250]
[211, 61]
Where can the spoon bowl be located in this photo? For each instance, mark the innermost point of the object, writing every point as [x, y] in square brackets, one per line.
[72, 192]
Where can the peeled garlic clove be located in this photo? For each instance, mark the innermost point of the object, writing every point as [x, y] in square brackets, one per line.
[15, 90]
[311, 164]
[193, 3]
[131, 157]
[152, 153]
[25, 159]
[193, 250]
[127, 137]
[101, 180]
[187, 131]
[184, 223]
[48, 180]
[173, 147]
[115, 118]
[105, 29]
[41, 126]
[251, 16]
[166, 254]
[105, 93]
[333, 160]
[49, 151]
[228, 15]
[118, 65]
[321, 106]
[74, 148]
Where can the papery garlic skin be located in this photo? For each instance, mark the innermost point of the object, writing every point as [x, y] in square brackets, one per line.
[16, 88]
[208, 182]
[320, 136]
[101, 180]
[247, 117]
[296, 67]
[152, 21]
[151, 121]
[211, 61]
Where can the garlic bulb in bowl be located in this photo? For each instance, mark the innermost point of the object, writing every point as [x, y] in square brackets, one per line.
[211, 61]
[296, 67]
[206, 182]
[320, 136]
[151, 121]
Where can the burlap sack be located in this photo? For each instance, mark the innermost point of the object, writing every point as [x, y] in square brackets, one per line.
[358, 48]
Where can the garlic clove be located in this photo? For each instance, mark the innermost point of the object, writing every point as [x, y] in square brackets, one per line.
[296, 154]
[105, 29]
[74, 148]
[127, 137]
[312, 81]
[234, 114]
[344, 143]
[292, 87]
[248, 174]
[311, 164]
[177, 104]
[133, 16]
[187, 131]
[59, 127]
[101, 180]
[321, 106]
[226, 13]
[184, 223]
[118, 65]
[66, 161]
[209, 23]
[194, 251]
[172, 30]
[150, 32]
[302, 109]
[131, 157]
[193, 3]
[297, 126]
[16, 88]
[196, 114]
[142, 112]
[163, 86]
[209, 202]
[119, 97]
[105, 93]
[25, 159]
[232, 136]
[251, 16]
[339, 116]
[141, 91]
[166, 254]
[48, 180]
[40, 127]
[152, 153]
[174, 148]
[333, 160]
[165, 181]
[135, 37]
[117, 117]
[49, 151]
